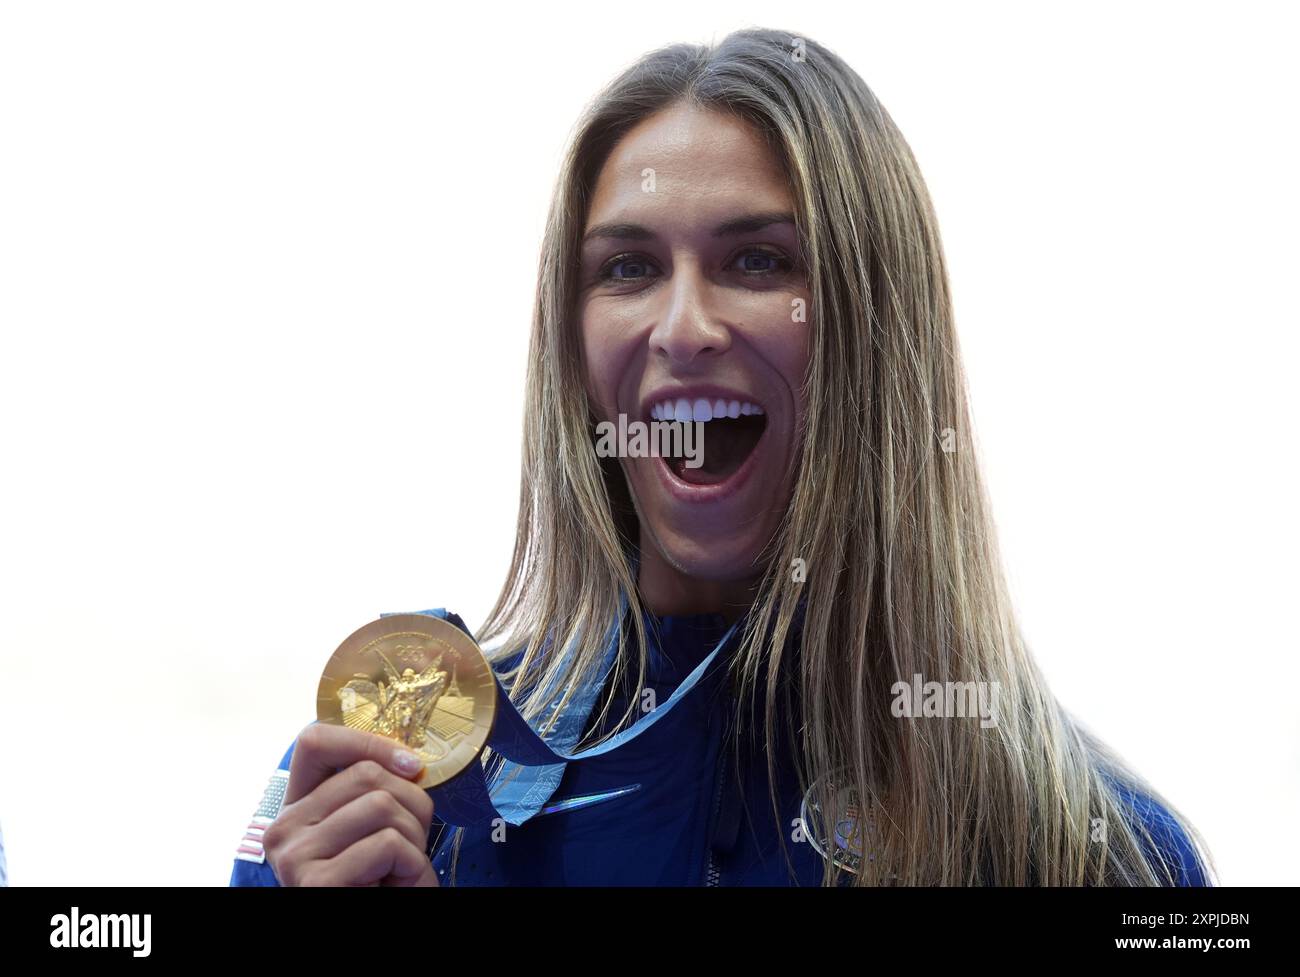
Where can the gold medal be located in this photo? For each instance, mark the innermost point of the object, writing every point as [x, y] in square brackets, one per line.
[419, 680]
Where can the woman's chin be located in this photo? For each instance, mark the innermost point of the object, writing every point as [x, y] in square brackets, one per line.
[713, 557]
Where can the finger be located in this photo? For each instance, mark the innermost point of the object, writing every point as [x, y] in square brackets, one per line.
[370, 860]
[357, 780]
[322, 749]
[360, 818]
[425, 879]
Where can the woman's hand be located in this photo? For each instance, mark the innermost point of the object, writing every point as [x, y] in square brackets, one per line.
[351, 814]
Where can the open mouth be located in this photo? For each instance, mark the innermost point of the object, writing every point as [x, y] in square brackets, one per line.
[731, 431]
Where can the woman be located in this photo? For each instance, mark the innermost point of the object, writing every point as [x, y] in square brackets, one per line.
[741, 238]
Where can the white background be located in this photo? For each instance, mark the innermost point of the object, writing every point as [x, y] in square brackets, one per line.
[266, 275]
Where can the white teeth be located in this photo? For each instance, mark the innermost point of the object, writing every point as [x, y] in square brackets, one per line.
[701, 410]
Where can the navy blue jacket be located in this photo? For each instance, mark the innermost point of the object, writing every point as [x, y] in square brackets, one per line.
[689, 819]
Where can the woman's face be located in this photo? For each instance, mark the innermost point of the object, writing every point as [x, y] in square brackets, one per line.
[693, 295]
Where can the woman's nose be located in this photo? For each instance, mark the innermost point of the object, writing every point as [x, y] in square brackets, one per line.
[688, 323]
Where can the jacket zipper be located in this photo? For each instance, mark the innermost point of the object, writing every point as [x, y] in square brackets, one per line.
[712, 878]
[712, 873]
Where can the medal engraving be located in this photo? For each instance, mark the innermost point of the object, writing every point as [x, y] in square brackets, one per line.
[419, 681]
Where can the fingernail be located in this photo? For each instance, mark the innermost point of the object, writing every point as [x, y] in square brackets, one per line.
[406, 761]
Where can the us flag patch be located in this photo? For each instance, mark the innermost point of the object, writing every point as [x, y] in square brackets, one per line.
[250, 846]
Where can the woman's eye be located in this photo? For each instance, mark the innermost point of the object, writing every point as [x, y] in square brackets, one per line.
[636, 264]
[753, 262]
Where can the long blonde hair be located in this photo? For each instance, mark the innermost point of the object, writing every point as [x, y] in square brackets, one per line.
[902, 577]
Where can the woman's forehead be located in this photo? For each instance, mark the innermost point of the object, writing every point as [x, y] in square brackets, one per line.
[689, 157]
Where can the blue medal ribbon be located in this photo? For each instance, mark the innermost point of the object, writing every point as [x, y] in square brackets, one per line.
[526, 783]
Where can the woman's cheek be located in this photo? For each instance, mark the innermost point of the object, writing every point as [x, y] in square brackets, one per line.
[593, 360]
[602, 378]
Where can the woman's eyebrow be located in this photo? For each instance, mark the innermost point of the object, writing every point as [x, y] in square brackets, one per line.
[736, 225]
